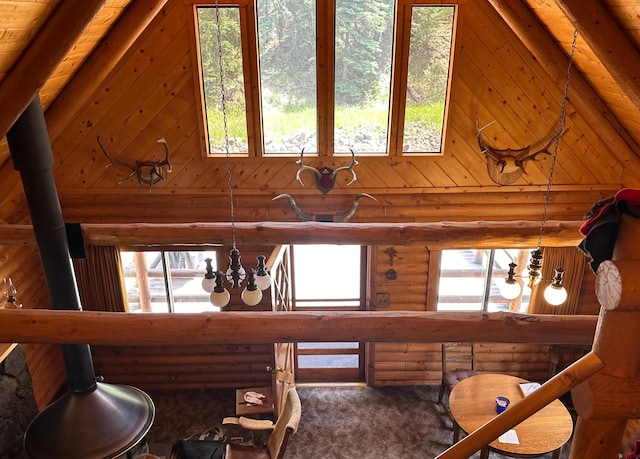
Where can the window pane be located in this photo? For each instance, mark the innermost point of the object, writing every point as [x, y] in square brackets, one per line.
[146, 286]
[144, 281]
[316, 278]
[328, 355]
[428, 74]
[502, 258]
[363, 43]
[287, 48]
[232, 77]
[328, 361]
[187, 270]
[462, 280]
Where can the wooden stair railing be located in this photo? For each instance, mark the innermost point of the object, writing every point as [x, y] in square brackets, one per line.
[548, 392]
[279, 266]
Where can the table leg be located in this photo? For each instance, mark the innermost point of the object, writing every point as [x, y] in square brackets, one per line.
[556, 454]
[484, 453]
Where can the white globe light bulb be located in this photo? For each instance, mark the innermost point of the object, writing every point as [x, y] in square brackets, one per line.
[554, 295]
[263, 282]
[510, 290]
[220, 299]
[208, 284]
[251, 297]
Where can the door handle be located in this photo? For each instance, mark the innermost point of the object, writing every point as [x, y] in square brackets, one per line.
[271, 370]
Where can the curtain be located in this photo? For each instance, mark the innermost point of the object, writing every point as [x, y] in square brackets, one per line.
[101, 280]
[573, 261]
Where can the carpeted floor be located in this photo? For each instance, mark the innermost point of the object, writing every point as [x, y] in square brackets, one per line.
[337, 423]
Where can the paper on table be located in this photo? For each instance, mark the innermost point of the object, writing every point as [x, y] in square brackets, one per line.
[528, 387]
[510, 436]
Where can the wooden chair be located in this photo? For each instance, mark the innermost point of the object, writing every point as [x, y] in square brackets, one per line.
[458, 363]
[278, 433]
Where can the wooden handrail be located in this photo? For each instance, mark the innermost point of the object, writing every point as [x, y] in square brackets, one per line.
[275, 258]
[548, 392]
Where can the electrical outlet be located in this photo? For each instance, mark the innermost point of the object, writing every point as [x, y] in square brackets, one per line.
[383, 300]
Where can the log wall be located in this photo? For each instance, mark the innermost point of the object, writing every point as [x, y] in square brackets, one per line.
[421, 363]
[45, 363]
[182, 367]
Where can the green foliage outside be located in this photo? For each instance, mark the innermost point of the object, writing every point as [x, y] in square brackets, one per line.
[429, 113]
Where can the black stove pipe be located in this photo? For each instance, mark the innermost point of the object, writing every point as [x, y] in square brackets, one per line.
[94, 420]
[32, 157]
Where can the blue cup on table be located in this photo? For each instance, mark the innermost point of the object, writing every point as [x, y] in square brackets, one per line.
[501, 404]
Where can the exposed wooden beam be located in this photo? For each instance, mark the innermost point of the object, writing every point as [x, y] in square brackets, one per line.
[440, 235]
[78, 327]
[22, 83]
[551, 57]
[100, 64]
[608, 42]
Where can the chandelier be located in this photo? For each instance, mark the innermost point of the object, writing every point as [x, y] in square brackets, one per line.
[555, 294]
[257, 279]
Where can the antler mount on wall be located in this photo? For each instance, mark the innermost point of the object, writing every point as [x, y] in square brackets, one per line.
[334, 218]
[325, 176]
[147, 172]
[325, 180]
[507, 165]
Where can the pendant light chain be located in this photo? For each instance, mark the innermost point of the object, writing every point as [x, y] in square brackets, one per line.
[258, 279]
[561, 124]
[223, 100]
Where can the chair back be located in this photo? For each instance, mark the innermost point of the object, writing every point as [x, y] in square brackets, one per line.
[457, 356]
[286, 425]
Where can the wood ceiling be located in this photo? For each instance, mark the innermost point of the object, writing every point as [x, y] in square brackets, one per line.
[129, 76]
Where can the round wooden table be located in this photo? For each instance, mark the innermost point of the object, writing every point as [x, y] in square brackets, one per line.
[473, 402]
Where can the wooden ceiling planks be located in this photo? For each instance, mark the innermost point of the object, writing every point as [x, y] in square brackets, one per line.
[509, 76]
[129, 142]
[608, 41]
[570, 167]
[20, 23]
[116, 102]
[558, 25]
[82, 48]
[497, 91]
[87, 81]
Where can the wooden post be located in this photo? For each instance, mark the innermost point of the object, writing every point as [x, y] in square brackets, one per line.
[142, 279]
[603, 402]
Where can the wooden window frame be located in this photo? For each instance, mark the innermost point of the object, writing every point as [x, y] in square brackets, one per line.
[325, 52]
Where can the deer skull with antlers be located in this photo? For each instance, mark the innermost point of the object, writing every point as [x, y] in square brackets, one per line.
[147, 172]
[505, 166]
[326, 177]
